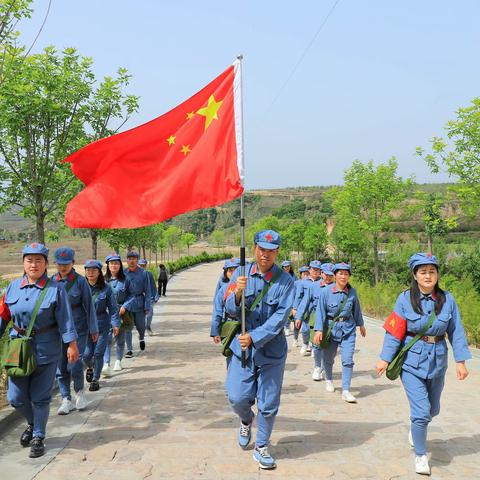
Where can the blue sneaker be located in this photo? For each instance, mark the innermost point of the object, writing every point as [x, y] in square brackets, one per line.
[264, 459]
[244, 435]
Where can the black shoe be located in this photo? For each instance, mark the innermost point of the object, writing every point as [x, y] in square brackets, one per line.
[37, 448]
[94, 386]
[89, 375]
[129, 354]
[26, 436]
[142, 344]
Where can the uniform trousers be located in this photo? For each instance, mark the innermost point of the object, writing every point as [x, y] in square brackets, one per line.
[149, 317]
[119, 341]
[66, 372]
[305, 332]
[262, 383]
[347, 347]
[32, 395]
[94, 352]
[140, 326]
[424, 398]
[318, 357]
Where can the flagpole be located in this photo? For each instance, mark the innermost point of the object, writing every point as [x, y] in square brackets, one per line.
[242, 218]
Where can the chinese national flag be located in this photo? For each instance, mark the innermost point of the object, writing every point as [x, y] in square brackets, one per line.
[186, 159]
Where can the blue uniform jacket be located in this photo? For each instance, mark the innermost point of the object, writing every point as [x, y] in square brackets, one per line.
[265, 324]
[140, 289]
[308, 302]
[329, 302]
[298, 293]
[152, 285]
[218, 309]
[81, 303]
[54, 312]
[106, 307]
[121, 290]
[428, 360]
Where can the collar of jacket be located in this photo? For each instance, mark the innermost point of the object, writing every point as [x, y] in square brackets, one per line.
[40, 283]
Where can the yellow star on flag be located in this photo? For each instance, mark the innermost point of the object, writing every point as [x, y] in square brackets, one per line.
[190, 115]
[171, 140]
[210, 111]
[185, 149]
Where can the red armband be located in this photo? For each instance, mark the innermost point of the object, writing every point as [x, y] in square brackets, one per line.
[396, 326]
[231, 288]
[5, 314]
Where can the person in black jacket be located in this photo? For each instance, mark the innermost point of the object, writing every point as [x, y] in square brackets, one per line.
[162, 280]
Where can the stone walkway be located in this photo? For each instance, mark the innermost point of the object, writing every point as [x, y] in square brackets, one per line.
[165, 416]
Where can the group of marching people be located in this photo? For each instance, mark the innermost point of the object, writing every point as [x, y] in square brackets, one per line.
[73, 321]
[324, 312]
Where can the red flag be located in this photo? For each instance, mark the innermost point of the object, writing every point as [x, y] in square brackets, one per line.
[189, 158]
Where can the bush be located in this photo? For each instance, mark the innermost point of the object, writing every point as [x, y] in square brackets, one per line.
[190, 261]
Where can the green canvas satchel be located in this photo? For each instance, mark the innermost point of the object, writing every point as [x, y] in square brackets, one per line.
[395, 366]
[19, 358]
[327, 329]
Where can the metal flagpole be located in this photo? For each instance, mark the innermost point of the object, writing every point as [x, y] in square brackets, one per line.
[242, 222]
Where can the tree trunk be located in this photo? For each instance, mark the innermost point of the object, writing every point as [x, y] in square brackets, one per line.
[430, 243]
[144, 252]
[40, 226]
[375, 259]
[94, 236]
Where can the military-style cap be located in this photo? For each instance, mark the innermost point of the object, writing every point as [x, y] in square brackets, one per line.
[35, 249]
[422, 259]
[327, 268]
[342, 266]
[315, 264]
[304, 268]
[64, 255]
[93, 264]
[286, 263]
[268, 239]
[142, 262]
[231, 263]
[133, 254]
[113, 256]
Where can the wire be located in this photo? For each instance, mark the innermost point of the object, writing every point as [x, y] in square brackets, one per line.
[41, 28]
[302, 56]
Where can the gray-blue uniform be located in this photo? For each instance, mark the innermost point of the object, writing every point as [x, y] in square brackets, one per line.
[298, 292]
[262, 377]
[139, 302]
[85, 319]
[153, 293]
[53, 326]
[107, 316]
[344, 331]
[425, 365]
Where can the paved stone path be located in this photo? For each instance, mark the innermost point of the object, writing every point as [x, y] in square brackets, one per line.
[166, 416]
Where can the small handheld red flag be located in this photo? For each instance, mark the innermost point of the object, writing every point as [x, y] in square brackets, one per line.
[189, 158]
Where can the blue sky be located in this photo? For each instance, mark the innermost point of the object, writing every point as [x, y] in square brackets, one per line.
[381, 78]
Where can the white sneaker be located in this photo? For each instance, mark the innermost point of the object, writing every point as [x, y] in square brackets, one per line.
[65, 407]
[287, 331]
[106, 370]
[348, 397]
[295, 342]
[329, 386]
[410, 439]
[317, 374]
[304, 352]
[81, 401]
[118, 366]
[421, 465]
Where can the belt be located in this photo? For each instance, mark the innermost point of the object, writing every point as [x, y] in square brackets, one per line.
[339, 319]
[35, 331]
[428, 338]
[78, 305]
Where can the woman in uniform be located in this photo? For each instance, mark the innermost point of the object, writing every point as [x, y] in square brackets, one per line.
[425, 364]
[85, 319]
[53, 326]
[107, 316]
[338, 307]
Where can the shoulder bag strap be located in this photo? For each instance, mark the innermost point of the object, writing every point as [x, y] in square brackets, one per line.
[70, 284]
[37, 308]
[264, 291]
[417, 337]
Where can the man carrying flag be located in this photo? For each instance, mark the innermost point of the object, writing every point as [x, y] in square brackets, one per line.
[268, 301]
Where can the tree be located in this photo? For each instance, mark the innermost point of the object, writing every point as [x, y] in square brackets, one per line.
[315, 241]
[293, 238]
[49, 107]
[172, 237]
[367, 200]
[218, 238]
[460, 156]
[188, 239]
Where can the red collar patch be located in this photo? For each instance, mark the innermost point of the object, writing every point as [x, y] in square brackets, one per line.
[336, 290]
[24, 282]
[41, 282]
[268, 276]
[253, 271]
